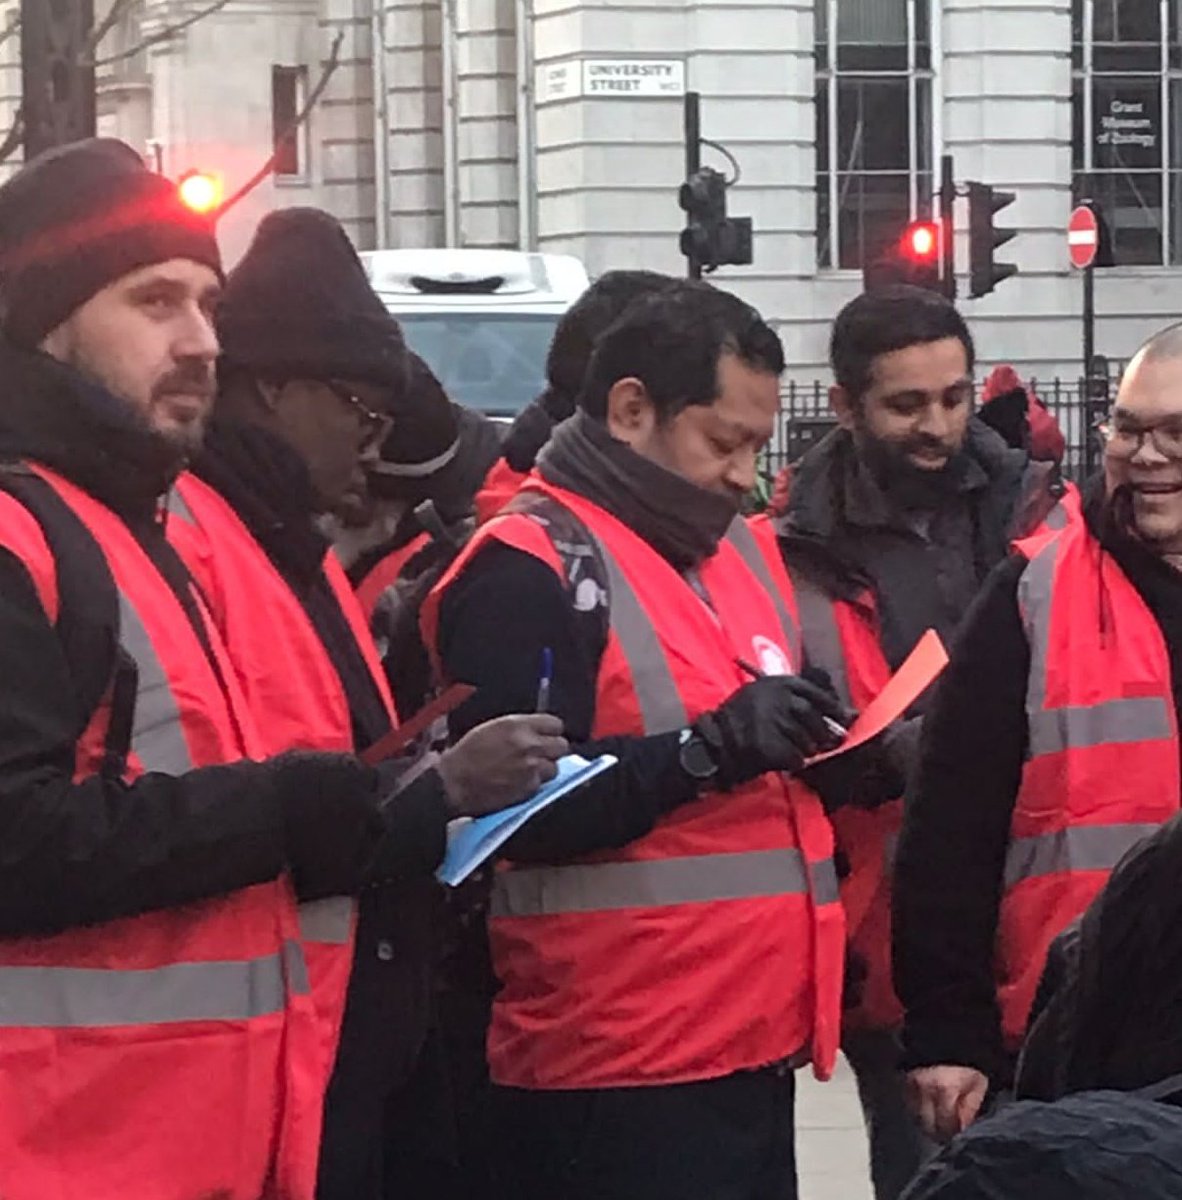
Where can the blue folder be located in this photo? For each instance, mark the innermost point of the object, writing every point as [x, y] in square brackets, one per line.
[471, 842]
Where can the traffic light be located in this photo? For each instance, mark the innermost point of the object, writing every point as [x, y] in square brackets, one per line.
[984, 239]
[711, 238]
[913, 258]
[202, 191]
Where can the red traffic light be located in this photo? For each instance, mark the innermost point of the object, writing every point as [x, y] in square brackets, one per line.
[201, 191]
[921, 241]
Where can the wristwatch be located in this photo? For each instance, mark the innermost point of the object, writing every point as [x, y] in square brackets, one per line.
[695, 757]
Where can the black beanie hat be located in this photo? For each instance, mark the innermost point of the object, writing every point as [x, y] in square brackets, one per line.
[79, 217]
[299, 306]
[423, 438]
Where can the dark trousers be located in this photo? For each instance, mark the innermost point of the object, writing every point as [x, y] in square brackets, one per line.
[898, 1147]
[723, 1139]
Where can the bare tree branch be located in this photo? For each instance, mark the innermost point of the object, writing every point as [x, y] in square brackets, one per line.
[13, 138]
[286, 137]
[162, 35]
[100, 31]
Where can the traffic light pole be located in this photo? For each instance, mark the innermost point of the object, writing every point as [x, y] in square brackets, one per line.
[948, 226]
[693, 160]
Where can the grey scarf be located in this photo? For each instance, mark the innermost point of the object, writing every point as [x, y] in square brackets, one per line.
[681, 521]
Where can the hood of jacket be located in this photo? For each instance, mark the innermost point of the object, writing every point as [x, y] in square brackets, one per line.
[52, 414]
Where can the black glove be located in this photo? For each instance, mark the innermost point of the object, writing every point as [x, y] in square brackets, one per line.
[332, 824]
[771, 724]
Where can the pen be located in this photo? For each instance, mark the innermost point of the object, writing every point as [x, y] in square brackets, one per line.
[834, 728]
[545, 679]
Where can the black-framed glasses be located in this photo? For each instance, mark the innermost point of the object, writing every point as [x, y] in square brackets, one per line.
[1123, 441]
[375, 426]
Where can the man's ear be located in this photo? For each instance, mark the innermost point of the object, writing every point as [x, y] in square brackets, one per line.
[842, 406]
[630, 416]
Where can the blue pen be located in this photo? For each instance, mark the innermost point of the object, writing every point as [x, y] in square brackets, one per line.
[545, 679]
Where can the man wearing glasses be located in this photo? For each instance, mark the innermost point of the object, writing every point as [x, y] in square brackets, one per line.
[1052, 750]
[310, 360]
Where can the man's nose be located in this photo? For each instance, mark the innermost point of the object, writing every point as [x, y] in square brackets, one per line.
[936, 421]
[197, 338]
[742, 472]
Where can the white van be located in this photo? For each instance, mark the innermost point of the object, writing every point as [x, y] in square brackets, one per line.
[482, 319]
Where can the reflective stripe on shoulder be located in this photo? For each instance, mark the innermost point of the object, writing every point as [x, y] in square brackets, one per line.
[86, 998]
[743, 541]
[158, 737]
[1077, 848]
[659, 883]
[822, 638]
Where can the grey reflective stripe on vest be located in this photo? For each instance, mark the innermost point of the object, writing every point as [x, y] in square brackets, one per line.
[822, 639]
[1078, 848]
[329, 921]
[91, 998]
[1114, 722]
[178, 506]
[1057, 518]
[743, 542]
[661, 706]
[1111, 723]
[600, 887]
[158, 737]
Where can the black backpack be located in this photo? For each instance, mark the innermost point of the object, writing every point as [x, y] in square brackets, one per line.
[88, 622]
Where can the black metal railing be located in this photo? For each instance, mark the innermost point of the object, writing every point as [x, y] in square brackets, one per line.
[805, 418]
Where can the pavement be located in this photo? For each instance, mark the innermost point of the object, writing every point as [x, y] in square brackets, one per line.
[831, 1159]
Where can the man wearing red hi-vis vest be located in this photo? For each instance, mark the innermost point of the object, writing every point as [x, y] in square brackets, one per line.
[157, 1031]
[1052, 749]
[669, 941]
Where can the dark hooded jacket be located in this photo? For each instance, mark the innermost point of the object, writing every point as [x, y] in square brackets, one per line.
[844, 531]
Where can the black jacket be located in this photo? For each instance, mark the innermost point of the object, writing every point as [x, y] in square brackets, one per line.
[81, 853]
[842, 530]
[956, 829]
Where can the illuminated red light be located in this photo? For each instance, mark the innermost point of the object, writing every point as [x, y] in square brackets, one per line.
[200, 191]
[922, 240]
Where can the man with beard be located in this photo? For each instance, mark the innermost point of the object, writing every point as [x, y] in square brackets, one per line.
[309, 356]
[669, 942]
[888, 529]
[1051, 750]
[157, 1034]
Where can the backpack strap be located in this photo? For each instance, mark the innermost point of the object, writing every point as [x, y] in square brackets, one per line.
[88, 614]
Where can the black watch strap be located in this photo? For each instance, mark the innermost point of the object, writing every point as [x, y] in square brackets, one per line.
[696, 757]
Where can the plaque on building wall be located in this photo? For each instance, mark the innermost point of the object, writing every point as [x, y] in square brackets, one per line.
[612, 79]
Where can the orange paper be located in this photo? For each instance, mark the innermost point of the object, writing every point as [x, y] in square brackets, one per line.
[908, 683]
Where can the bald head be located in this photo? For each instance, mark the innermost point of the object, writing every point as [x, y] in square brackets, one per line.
[1163, 346]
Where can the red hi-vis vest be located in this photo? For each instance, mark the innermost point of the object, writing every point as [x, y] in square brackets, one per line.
[290, 685]
[501, 484]
[842, 640]
[166, 1055]
[714, 943]
[1102, 766]
[386, 573]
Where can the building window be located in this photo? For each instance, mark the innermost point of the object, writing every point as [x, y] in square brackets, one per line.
[288, 90]
[1127, 123]
[874, 125]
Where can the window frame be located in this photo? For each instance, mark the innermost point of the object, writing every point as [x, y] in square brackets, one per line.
[828, 76]
[1167, 76]
[298, 75]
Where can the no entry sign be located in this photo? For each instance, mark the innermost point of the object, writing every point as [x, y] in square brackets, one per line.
[1083, 237]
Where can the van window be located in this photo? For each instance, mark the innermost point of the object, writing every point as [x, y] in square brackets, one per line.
[491, 361]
